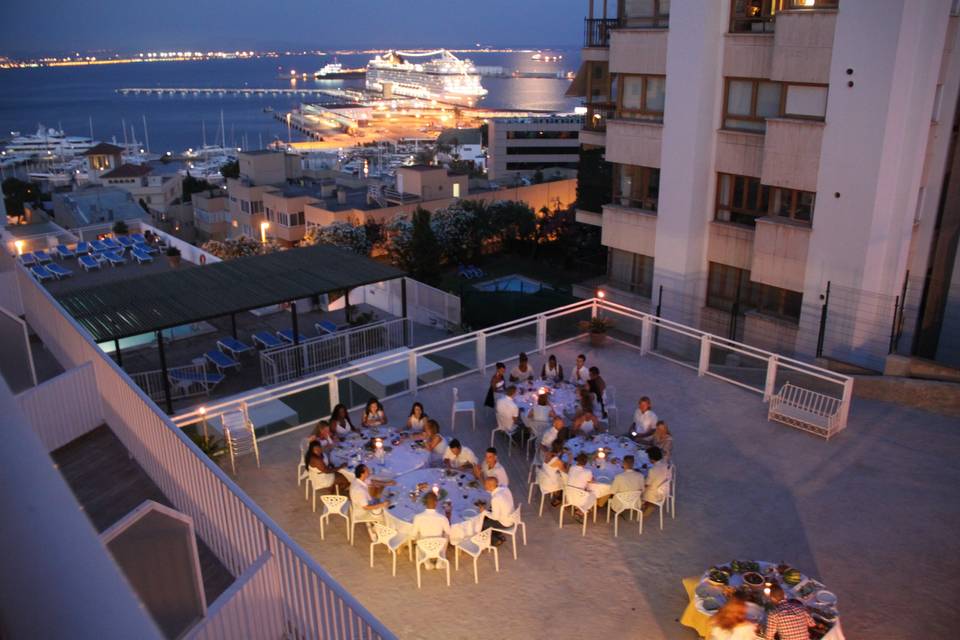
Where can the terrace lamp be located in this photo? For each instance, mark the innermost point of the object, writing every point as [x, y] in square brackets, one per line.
[203, 419]
[601, 294]
[19, 245]
[263, 232]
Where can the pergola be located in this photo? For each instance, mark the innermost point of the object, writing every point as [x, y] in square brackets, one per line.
[155, 302]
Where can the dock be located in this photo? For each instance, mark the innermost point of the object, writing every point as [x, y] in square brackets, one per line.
[231, 91]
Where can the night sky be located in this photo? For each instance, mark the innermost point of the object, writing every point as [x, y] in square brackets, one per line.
[58, 26]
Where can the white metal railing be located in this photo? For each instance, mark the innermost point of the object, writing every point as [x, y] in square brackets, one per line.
[311, 356]
[249, 608]
[308, 600]
[63, 408]
[734, 362]
[425, 304]
[152, 382]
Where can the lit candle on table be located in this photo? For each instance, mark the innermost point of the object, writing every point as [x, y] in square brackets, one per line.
[436, 490]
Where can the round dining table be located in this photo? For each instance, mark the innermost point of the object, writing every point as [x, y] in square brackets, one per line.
[605, 467]
[397, 455]
[461, 491]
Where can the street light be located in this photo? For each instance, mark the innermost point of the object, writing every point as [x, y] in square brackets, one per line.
[263, 231]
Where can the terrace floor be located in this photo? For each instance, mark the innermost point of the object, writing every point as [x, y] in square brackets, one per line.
[872, 513]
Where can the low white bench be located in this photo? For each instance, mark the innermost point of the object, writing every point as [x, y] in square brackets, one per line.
[808, 410]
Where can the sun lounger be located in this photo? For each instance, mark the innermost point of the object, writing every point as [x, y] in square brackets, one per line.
[114, 258]
[88, 263]
[126, 241]
[233, 346]
[41, 273]
[82, 248]
[221, 360]
[27, 259]
[185, 380]
[42, 257]
[112, 244]
[58, 271]
[266, 340]
[287, 335]
[138, 238]
[146, 248]
[141, 256]
[98, 246]
[325, 326]
[64, 251]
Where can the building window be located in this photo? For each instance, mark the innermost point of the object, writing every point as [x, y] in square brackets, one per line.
[568, 149]
[645, 14]
[244, 206]
[730, 289]
[749, 103]
[758, 16]
[642, 97]
[637, 187]
[806, 101]
[631, 272]
[742, 199]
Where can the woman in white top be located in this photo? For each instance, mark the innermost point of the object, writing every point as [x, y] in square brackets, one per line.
[340, 421]
[548, 476]
[417, 418]
[373, 414]
[730, 622]
[551, 371]
[434, 442]
[542, 411]
[324, 435]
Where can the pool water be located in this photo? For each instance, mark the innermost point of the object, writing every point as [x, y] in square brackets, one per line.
[149, 339]
[515, 283]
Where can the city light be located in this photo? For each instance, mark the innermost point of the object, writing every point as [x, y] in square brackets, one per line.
[19, 245]
[263, 232]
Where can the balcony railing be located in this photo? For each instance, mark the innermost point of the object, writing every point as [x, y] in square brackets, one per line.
[595, 119]
[596, 31]
[760, 18]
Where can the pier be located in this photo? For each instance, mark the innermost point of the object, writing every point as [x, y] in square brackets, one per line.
[236, 91]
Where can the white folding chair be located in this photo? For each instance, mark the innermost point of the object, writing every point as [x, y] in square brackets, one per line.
[334, 506]
[301, 465]
[475, 546]
[431, 549]
[359, 515]
[317, 481]
[662, 498]
[629, 501]
[512, 529]
[580, 500]
[240, 437]
[392, 540]
[544, 492]
[462, 406]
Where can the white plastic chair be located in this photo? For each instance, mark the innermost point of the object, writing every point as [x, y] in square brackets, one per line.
[582, 501]
[392, 540]
[629, 501]
[360, 515]
[544, 492]
[430, 549]
[475, 546]
[512, 529]
[346, 473]
[317, 481]
[334, 506]
[508, 434]
[462, 406]
[610, 406]
[662, 499]
[240, 437]
[673, 490]
[301, 465]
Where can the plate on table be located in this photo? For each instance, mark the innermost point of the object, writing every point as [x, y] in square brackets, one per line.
[466, 514]
[711, 605]
[707, 590]
[826, 597]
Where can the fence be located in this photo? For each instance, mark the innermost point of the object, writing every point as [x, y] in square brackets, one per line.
[734, 362]
[67, 406]
[284, 364]
[240, 611]
[152, 382]
[425, 304]
[231, 524]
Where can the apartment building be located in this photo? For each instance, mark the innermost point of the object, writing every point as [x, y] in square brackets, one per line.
[154, 185]
[210, 214]
[260, 171]
[763, 151]
[520, 147]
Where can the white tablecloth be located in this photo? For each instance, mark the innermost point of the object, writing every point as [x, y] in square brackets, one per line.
[466, 518]
[604, 470]
[399, 457]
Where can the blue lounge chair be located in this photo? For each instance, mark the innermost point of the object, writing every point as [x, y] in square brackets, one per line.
[126, 241]
[221, 360]
[42, 257]
[266, 340]
[325, 326]
[185, 380]
[99, 247]
[64, 252]
[112, 244]
[233, 346]
[141, 256]
[58, 271]
[287, 335]
[82, 248]
[88, 263]
[138, 238]
[146, 248]
[27, 259]
[41, 273]
[114, 258]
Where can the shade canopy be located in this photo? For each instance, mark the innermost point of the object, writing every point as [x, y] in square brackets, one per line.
[172, 298]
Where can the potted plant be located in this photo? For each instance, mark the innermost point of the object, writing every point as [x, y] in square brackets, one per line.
[120, 228]
[173, 256]
[597, 327]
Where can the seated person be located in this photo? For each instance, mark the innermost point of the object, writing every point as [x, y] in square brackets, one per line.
[523, 372]
[417, 418]
[657, 475]
[542, 411]
[551, 371]
[491, 468]
[585, 423]
[627, 480]
[323, 434]
[458, 456]
[498, 382]
[499, 514]
[362, 499]
[508, 413]
[373, 414]
[662, 439]
[597, 387]
[548, 475]
[579, 477]
[730, 622]
[644, 419]
[580, 372]
[434, 442]
[430, 524]
[340, 421]
[553, 434]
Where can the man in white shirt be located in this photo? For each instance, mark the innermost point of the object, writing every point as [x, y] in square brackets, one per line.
[431, 524]
[580, 372]
[550, 436]
[523, 371]
[360, 497]
[579, 476]
[500, 513]
[644, 419]
[458, 456]
[658, 474]
[491, 468]
[628, 480]
[508, 413]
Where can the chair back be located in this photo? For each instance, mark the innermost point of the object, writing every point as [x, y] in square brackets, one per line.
[456, 395]
[383, 532]
[482, 539]
[515, 516]
[579, 495]
[349, 475]
[628, 499]
[663, 491]
[315, 476]
[610, 397]
[333, 503]
[431, 547]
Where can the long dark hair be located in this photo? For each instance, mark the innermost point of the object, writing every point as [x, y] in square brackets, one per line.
[309, 455]
[423, 414]
[346, 414]
[372, 400]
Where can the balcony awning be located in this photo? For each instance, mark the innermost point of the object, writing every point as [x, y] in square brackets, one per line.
[578, 88]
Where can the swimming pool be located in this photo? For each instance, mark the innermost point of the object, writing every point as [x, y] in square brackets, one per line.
[515, 283]
[149, 339]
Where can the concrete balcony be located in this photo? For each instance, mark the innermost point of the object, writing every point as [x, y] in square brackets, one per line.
[635, 142]
[739, 152]
[803, 46]
[747, 55]
[589, 217]
[642, 51]
[780, 253]
[629, 229]
[595, 54]
[791, 153]
[730, 244]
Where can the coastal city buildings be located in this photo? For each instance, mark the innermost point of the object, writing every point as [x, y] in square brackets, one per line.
[521, 147]
[778, 167]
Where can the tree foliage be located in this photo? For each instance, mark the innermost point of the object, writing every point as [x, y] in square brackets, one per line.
[340, 234]
[231, 170]
[238, 247]
[17, 193]
[425, 253]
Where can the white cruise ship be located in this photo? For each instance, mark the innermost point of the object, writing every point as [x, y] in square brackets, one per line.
[432, 75]
[47, 142]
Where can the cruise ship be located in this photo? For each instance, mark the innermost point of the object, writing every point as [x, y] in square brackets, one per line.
[432, 75]
[47, 142]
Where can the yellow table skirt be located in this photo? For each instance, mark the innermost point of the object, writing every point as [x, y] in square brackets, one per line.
[691, 617]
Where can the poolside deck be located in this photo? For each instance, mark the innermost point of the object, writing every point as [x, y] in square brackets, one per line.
[871, 513]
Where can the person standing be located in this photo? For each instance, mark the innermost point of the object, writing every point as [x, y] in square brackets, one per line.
[644, 419]
[497, 382]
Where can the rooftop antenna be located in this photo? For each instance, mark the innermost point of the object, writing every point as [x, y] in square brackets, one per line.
[223, 132]
[261, 139]
[203, 125]
[123, 127]
[146, 136]
[90, 119]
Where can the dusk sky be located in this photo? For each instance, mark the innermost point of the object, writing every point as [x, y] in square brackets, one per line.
[66, 25]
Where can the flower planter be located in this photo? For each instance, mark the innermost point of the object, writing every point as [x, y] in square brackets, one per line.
[598, 339]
